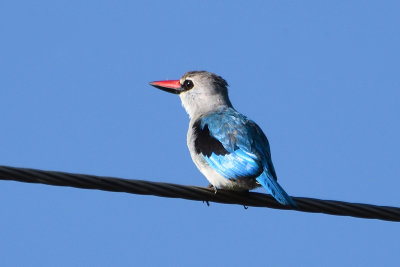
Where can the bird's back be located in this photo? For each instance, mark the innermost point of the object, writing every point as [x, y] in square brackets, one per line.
[231, 144]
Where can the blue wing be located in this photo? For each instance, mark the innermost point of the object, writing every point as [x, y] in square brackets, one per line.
[233, 145]
[222, 140]
[237, 148]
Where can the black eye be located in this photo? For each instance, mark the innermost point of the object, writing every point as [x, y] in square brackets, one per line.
[187, 85]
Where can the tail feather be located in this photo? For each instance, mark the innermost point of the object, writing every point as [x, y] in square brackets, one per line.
[275, 189]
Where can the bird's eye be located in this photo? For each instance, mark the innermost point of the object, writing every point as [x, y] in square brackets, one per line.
[187, 84]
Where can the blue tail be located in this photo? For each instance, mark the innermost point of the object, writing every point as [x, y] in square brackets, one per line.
[275, 189]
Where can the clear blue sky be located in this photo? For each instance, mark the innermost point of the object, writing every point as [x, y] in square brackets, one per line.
[321, 78]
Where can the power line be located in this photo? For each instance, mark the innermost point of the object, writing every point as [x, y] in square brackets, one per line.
[196, 193]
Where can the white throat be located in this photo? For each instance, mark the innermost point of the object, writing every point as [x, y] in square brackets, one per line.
[197, 104]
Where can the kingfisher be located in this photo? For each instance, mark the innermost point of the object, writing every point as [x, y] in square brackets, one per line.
[230, 150]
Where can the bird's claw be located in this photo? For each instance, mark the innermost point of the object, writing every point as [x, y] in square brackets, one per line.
[213, 187]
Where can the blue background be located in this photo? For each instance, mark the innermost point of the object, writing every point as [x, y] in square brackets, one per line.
[321, 78]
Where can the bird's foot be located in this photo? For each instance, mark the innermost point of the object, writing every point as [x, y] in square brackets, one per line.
[245, 207]
[213, 187]
[208, 203]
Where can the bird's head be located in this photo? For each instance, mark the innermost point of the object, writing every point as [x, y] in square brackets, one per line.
[200, 91]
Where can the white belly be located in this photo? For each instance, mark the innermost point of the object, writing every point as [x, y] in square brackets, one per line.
[216, 179]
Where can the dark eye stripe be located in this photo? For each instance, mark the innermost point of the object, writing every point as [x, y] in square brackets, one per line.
[187, 85]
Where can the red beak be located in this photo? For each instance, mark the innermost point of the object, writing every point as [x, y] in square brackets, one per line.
[172, 86]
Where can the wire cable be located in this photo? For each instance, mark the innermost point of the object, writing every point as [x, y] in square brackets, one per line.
[197, 193]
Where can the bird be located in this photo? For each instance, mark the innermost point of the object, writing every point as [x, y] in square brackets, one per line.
[229, 149]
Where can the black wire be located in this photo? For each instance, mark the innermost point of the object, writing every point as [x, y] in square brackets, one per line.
[196, 193]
